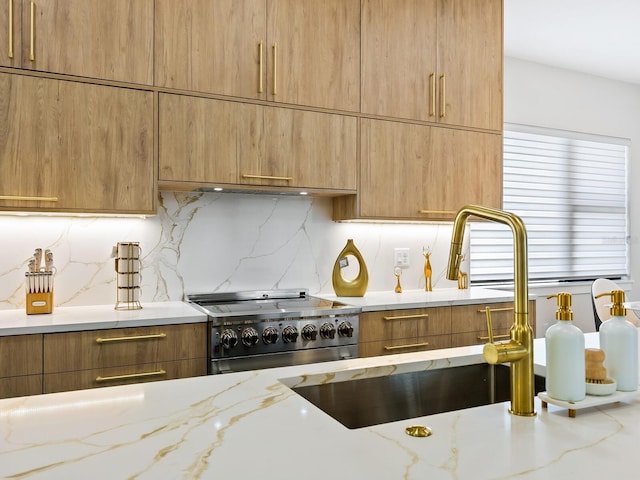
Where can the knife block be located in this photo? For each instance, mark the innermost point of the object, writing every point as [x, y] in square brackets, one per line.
[128, 275]
[39, 303]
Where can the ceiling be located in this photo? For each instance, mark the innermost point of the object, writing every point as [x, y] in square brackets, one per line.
[600, 37]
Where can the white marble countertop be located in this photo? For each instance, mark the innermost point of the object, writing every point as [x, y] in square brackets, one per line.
[373, 301]
[248, 425]
[71, 319]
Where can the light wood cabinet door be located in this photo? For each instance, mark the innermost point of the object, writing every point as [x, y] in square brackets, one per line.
[420, 172]
[211, 46]
[217, 142]
[82, 147]
[98, 358]
[403, 331]
[399, 58]
[317, 53]
[433, 60]
[10, 33]
[470, 58]
[304, 149]
[111, 40]
[20, 365]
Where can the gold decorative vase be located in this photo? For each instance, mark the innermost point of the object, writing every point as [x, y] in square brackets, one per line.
[350, 288]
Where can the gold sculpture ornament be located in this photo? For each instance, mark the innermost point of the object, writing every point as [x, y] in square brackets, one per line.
[463, 277]
[398, 272]
[350, 288]
[427, 269]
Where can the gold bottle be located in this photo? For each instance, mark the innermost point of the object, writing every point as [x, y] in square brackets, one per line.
[350, 288]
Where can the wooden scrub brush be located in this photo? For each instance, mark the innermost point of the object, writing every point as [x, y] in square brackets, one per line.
[596, 374]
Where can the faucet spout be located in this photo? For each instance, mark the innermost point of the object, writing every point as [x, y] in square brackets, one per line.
[518, 351]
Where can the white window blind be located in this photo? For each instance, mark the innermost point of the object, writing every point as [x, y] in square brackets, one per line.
[571, 193]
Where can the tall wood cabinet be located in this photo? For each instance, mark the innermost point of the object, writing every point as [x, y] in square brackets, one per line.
[216, 142]
[287, 51]
[89, 38]
[433, 60]
[20, 365]
[418, 172]
[69, 146]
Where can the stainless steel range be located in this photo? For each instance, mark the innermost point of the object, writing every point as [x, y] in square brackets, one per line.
[275, 328]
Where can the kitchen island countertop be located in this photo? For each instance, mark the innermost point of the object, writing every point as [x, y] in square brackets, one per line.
[251, 424]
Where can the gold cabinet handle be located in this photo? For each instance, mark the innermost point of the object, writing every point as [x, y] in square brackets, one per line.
[133, 337]
[411, 345]
[32, 34]
[495, 337]
[28, 199]
[275, 68]
[267, 177]
[260, 82]
[130, 375]
[446, 212]
[432, 89]
[503, 309]
[443, 96]
[405, 317]
[10, 28]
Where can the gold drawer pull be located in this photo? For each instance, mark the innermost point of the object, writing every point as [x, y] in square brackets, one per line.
[131, 375]
[447, 212]
[260, 82]
[432, 85]
[28, 199]
[267, 177]
[134, 337]
[413, 345]
[504, 309]
[497, 337]
[443, 96]
[405, 317]
[275, 68]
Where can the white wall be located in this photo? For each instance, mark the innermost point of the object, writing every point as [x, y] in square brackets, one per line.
[543, 96]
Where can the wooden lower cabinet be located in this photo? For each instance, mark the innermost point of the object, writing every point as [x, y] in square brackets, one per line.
[413, 330]
[20, 365]
[88, 359]
[469, 322]
[402, 331]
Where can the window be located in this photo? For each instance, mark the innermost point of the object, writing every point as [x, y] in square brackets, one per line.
[570, 190]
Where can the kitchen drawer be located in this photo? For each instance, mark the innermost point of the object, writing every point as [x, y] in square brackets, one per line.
[20, 386]
[403, 345]
[102, 349]
[404, 324]
[124, 375]
[20, 355]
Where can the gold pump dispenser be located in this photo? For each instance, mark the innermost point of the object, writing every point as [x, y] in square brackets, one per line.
[617, 307]
[564, 306]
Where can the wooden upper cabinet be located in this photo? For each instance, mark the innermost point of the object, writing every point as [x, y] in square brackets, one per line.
[89, 38]
[314, 53]
[417, 172]
[72, 146]
[10, 34]
[287, 51]
[211, 46]
[219, 143]
[433, 60]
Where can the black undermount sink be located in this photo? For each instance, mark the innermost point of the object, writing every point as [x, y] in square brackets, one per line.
[372, 401]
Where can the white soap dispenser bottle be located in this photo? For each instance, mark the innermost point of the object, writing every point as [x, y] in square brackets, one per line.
[619, 341]
[564, 345]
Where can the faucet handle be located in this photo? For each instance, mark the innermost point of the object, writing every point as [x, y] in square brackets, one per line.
[487, 312]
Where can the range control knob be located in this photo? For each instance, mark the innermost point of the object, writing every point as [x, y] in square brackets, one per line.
[327, 330]
[250, 337]
[290, 334]
[228, 338]
[345, 329]
[309, 332]
[270, 335]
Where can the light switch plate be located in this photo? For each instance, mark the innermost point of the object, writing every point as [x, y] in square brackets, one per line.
[401, 257]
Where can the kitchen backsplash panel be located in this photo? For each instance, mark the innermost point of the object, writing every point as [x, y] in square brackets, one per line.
[203, 242]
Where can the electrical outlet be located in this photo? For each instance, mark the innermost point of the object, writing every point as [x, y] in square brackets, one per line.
[401, 257]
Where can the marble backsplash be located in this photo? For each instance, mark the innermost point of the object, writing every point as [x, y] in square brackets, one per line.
[205, 242]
